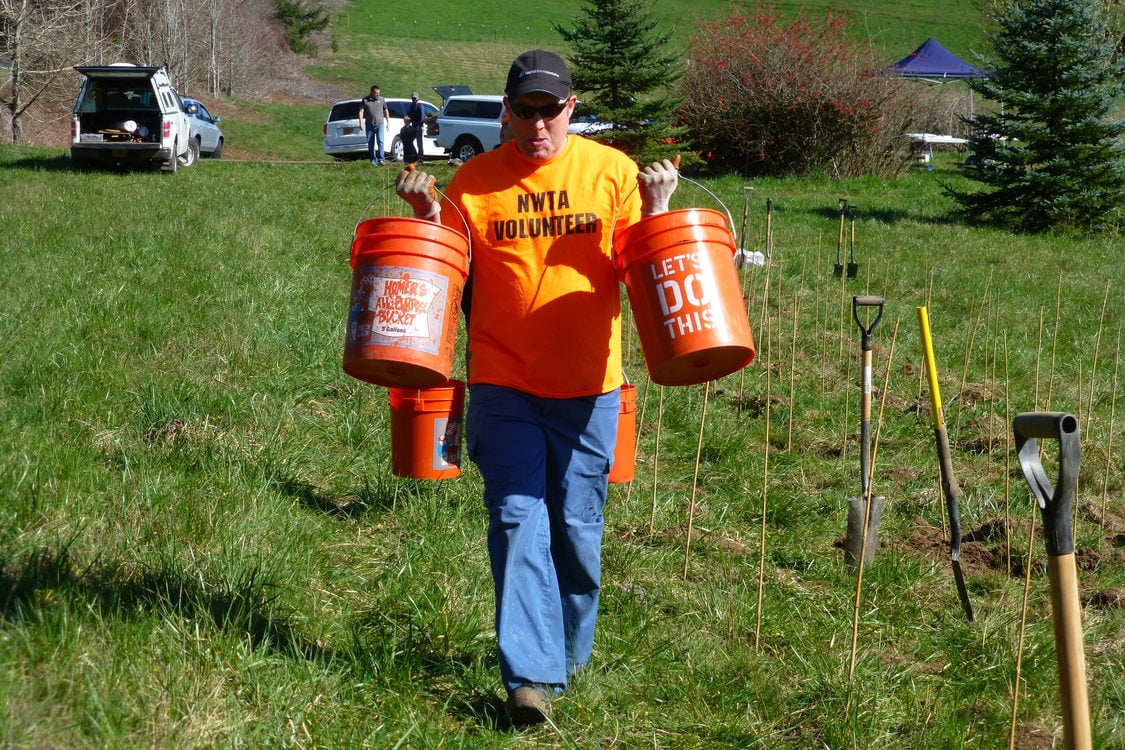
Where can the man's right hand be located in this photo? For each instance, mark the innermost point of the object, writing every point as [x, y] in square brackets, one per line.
[417, 189]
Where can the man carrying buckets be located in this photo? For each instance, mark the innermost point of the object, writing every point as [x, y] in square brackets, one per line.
[544, 316]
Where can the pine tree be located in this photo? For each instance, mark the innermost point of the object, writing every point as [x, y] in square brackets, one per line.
[618, 61]
[1053, 152]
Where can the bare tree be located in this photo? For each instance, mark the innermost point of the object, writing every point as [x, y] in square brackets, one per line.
[38, 39]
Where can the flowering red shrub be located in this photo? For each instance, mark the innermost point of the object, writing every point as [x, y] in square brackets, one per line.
[766, 97]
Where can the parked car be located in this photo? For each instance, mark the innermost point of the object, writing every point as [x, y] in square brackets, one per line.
[129, 115]
[204, 129]
[345, 139]
[469, 125]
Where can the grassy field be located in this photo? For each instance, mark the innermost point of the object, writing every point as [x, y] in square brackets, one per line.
[404, 48]
[201, 543]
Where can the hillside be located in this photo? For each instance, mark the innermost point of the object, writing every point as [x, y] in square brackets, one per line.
[403, 52]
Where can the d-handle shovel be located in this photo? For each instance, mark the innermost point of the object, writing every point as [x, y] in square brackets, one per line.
[838, 269]
[853, 267]
[1056, 505]
[864, 512]
[949, 485]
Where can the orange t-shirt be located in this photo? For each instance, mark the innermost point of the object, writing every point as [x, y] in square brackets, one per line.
[546, 305]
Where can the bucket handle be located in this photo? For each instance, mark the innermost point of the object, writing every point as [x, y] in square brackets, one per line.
[468, 232]
[730, 219]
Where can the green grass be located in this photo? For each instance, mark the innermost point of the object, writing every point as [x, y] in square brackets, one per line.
[201, 543]
[403, 48]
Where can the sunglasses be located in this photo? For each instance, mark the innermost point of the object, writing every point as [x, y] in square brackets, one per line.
[546, 111]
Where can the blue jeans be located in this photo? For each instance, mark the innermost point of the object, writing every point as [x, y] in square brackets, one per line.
[545, 464]
[375, 139]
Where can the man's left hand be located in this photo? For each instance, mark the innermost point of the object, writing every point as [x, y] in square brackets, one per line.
[657, 182]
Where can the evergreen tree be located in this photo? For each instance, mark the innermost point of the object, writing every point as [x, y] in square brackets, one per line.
[618, 60]
[1053, 152]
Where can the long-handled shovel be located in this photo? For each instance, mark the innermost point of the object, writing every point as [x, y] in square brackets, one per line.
[853, 267]
[1056, 505]
[769, 227]
[949, 485]
[864, 512]
[838, 269]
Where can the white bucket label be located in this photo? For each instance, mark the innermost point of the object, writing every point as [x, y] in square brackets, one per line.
[685, 294]
[399, 306]
[447, 443]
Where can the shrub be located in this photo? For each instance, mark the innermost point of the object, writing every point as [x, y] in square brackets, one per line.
[766, 98]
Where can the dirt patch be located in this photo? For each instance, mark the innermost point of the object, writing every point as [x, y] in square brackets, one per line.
[1033, 736]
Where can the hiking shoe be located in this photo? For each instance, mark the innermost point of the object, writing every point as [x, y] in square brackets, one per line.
[529, 704]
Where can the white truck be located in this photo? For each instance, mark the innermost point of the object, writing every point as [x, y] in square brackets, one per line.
[130, 115]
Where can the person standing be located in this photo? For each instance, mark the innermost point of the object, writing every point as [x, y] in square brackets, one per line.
[417, 115]
[543, 310]
[373, 116]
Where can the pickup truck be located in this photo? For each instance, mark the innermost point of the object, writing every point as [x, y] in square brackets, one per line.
[129, 115]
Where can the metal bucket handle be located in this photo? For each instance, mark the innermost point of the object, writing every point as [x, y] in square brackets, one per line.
[468, 232]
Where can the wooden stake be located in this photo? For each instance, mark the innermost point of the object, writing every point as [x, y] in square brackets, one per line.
[1109, 446]
[1038, 359]
[1054, 344]
[1023, 630]
[656, 462]
[695, 480]
[1094, 367]
[792, 371]
[765, 494]
[969, 351]
[1007, 462]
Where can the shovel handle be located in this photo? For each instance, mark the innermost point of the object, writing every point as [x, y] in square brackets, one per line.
[1056, 502]
[867, 300]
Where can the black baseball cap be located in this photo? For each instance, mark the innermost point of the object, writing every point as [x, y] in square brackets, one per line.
[538, 70]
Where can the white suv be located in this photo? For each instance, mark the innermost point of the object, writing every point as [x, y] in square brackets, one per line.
[129, 114]
[345, 139]
[469, 125]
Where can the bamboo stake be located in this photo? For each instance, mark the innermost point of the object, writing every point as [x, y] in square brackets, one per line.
[656, 462]
[640, 423]
[1094, 367]
[765, 494]
[992, 375]
[792, 371]
[1007, 462]
[867, 510]
[1109, 447]
[1023, 630]
[695, 480]
[1038, 358]
[969, 351]
[1054, 344]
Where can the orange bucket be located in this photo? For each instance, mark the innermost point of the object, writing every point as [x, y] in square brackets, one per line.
[426, 431]
[625, 452]
[678, 268]
[407, 279]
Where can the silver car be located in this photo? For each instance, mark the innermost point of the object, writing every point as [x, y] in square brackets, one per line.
[204, 128]
[345, 139]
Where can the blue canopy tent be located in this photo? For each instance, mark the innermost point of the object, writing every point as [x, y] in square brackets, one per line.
[933, 63]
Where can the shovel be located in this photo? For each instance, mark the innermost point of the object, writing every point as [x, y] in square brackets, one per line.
[1056, 505]
[838, 269]
[865, 512]
[853, 267]
[949, 485]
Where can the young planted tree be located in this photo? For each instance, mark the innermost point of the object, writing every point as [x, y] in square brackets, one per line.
[620, 59]
[1052, 154]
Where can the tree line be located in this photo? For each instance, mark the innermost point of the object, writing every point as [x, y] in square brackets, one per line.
[222, 47]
